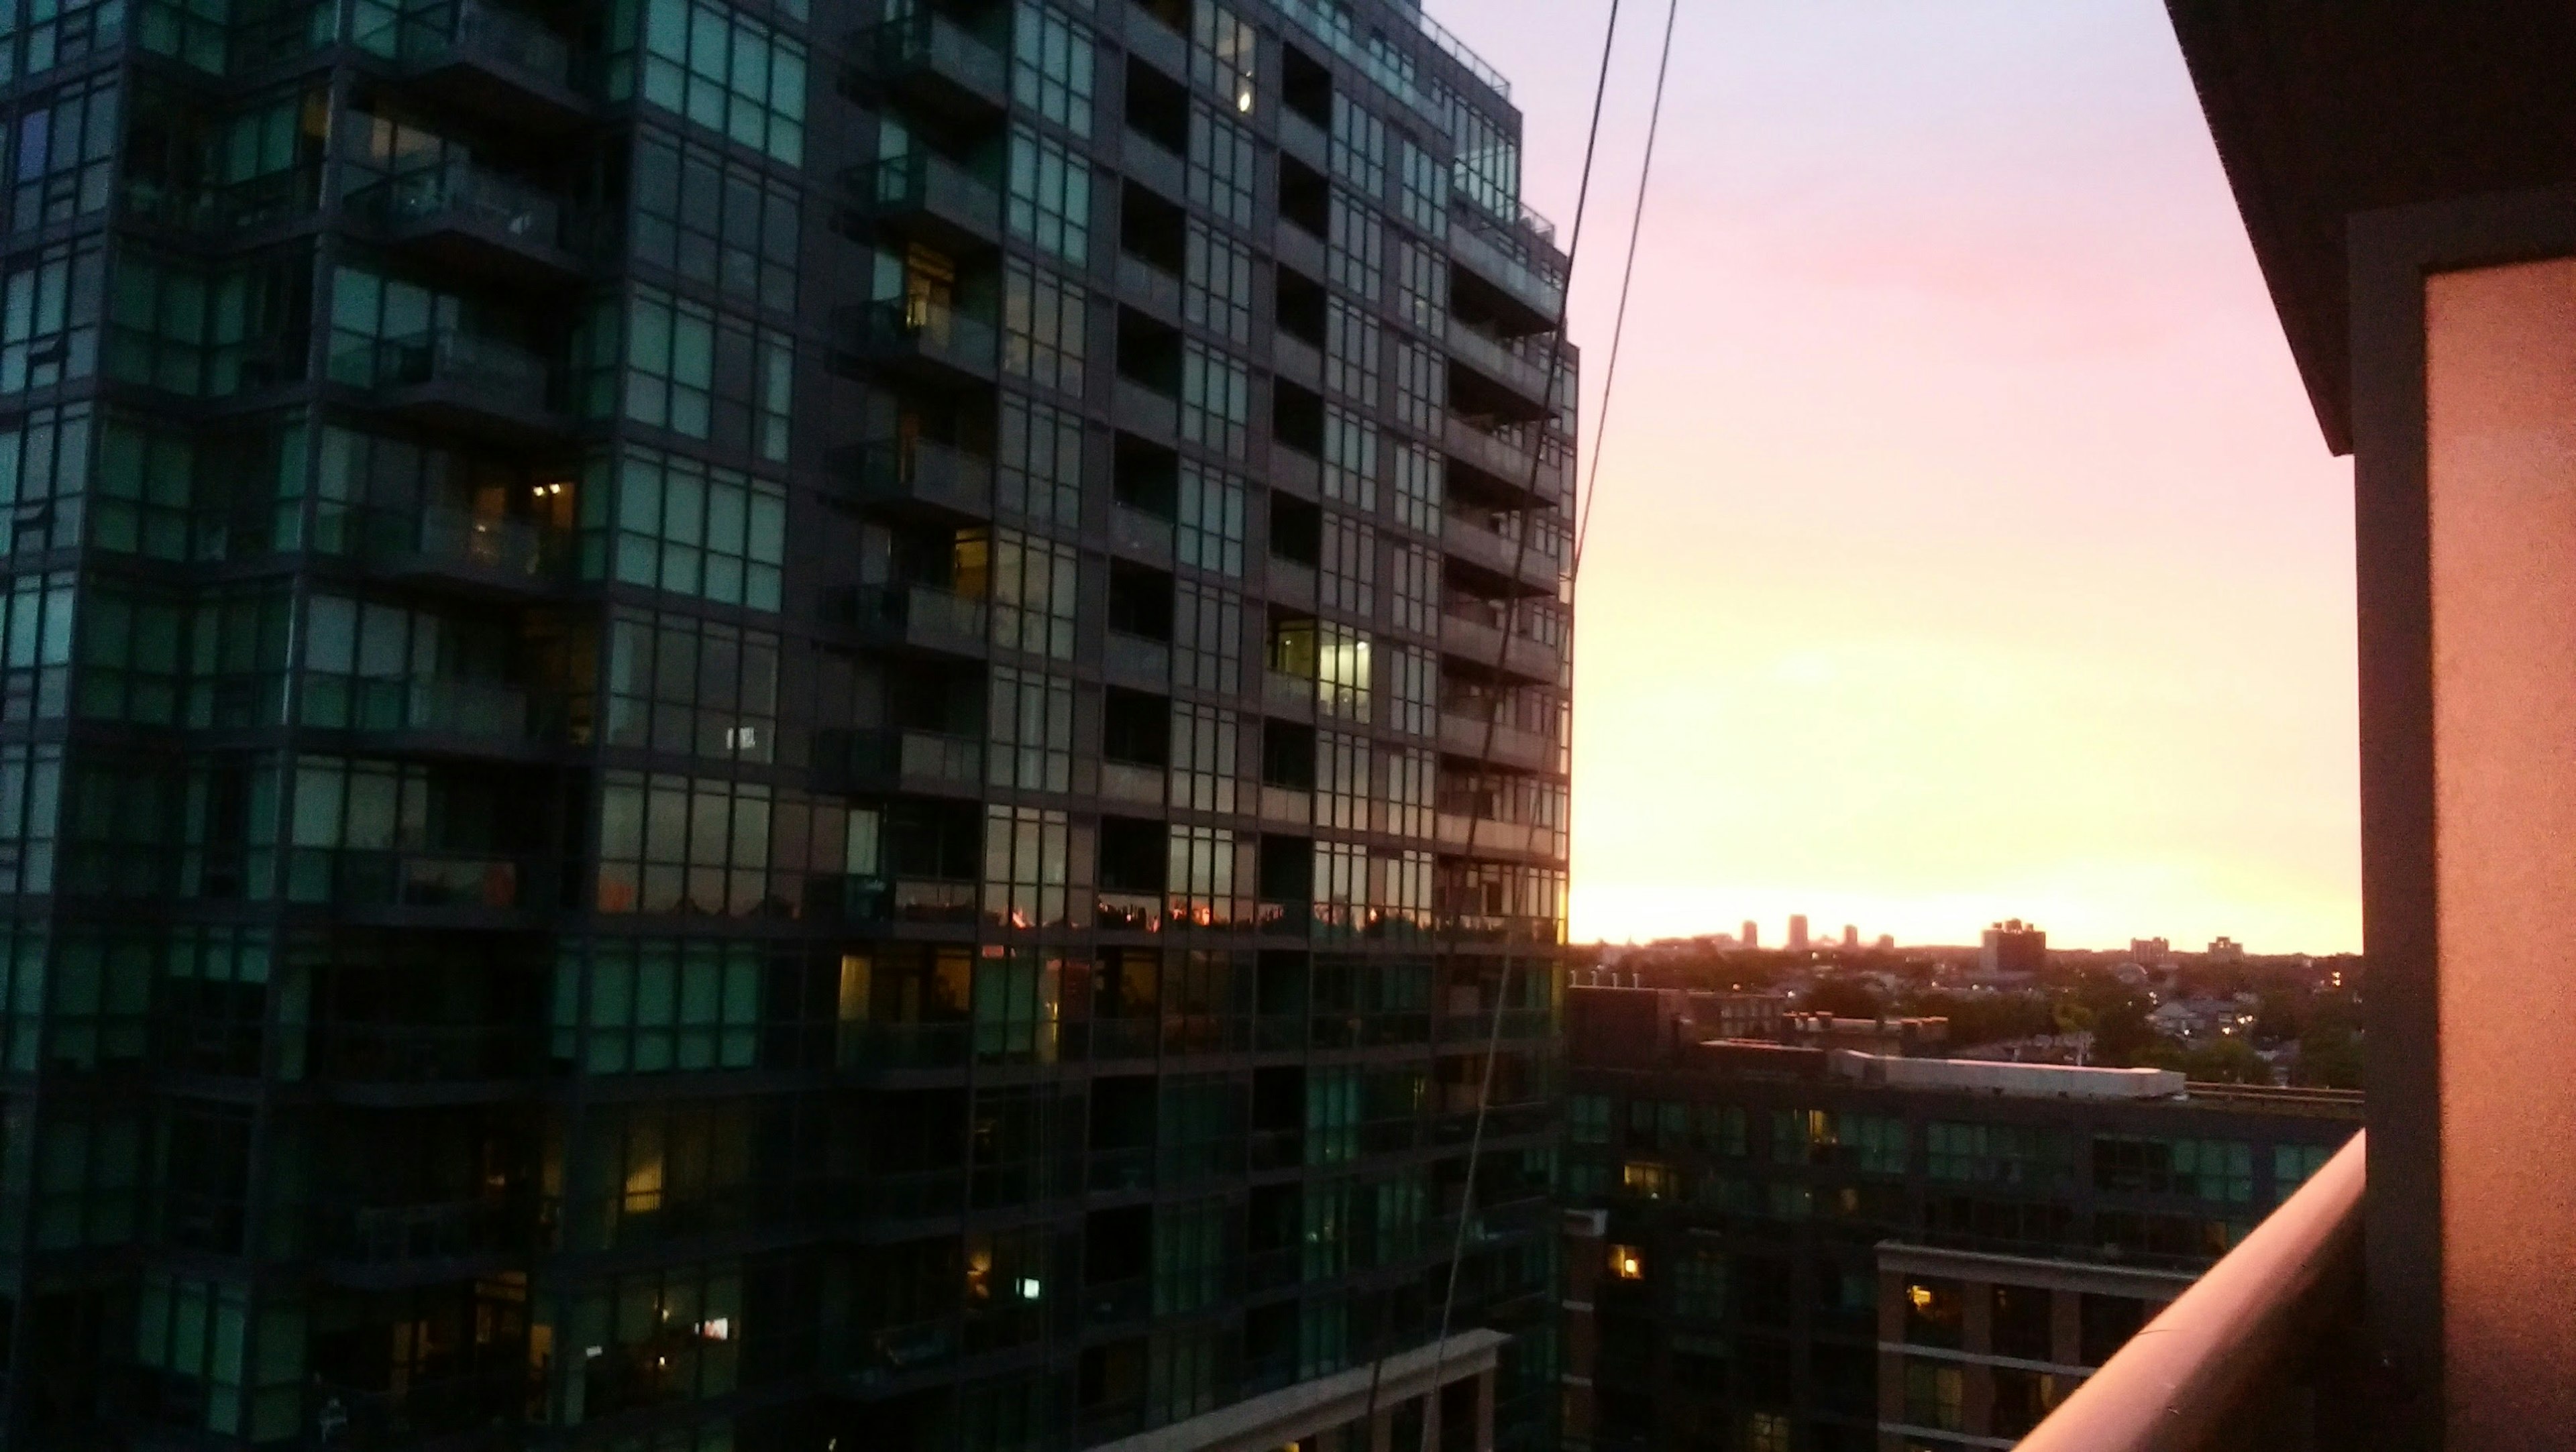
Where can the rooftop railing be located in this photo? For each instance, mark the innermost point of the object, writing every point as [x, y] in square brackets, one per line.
[2242, 1353]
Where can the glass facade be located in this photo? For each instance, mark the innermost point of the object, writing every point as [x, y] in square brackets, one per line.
[684, 763]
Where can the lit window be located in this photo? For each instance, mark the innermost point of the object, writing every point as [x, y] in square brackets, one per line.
[1627, 1263]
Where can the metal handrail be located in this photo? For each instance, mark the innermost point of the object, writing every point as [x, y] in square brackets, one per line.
[2203, 1368]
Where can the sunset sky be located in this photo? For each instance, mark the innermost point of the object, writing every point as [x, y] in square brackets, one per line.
[1966, 548]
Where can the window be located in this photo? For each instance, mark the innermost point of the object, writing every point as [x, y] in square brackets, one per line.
[1342, 671]
[690, 687]
[1035, 584]
[1343, 786]
[707, 376]
[1015, 1007]
[1646, 1180]
[1413, 690]
[1935, 1396]
[61, 33]
[49, 302]
[31, 779]
[1051, 66]
[1209, 531]
[1030, 730]
[1216, 285]
[1039, 462]
[1422, 288]
[1404, 889]
[1699, 1286]
[695, 529]
[1421, 387]
[1043, 317]
[1624, 1262]
[658, 1005]
[1201, 878]
[1341, 885]
[243, 1369]
[1216, 400]
[695, 845]
[44, 465]
[1355, 260]
[1348, 579]
[1350, 352]
[663, 1335]
[1421, 479]
[2294, 1164]
[711, 219]
[1207, 638]
[1997, 1154]
[1189, 1257]
[1026, 851]
[36, 647]
[2208, 1169]
[1488, 165]
[1423, 188]
[1350, 460]
[1050, 197]
[1417, 588]
[1358, 148]
[725, 71]
[62, 157]
[1222, 167]
[1223, 48]
[1205, 748]
[1720, 1129]
[1411, 788]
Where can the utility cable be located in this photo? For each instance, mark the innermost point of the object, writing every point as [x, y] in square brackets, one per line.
[1493, 722]
[1627, 276]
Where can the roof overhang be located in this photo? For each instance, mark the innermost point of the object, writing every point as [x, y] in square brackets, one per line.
[2325, 108]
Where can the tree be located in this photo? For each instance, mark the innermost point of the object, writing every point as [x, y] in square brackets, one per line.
[2226, 1060]
[1844, 998]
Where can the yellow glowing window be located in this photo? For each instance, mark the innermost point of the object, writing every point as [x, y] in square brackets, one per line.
[1627, 1262]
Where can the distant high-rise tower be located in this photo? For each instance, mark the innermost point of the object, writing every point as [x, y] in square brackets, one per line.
[2014, 946]
[1851, 936]
[1752, 933]
[1798, 933]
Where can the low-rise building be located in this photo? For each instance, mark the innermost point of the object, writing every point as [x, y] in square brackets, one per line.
[1786, 1246]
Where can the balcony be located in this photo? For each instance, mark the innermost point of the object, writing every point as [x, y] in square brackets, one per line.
[1129, 781]
[1286, 582]
[1140, 536]
[925, 197]
[1149, 287]
[1484, 835]
[485, 553]
[1503, 459]
[1295, 471]
[1148, 412]
[1136, 661]
[1533, 565]
[1159, 170]
[1500, 380]
[1288, 696]
[922, 617]
[1157, 44]
[503, 65]
[918, 476]
[932, 342]
[1287, 806]
[452, 379]
[1481, 644]
[1299, 250]
[1297, 360]
[368, 1241]
[1529, 297]
[461, 217]
[2250, 1354]
[933, 63]
[927, 763]
[1478, 738]
[440, 706]
[1304, 140]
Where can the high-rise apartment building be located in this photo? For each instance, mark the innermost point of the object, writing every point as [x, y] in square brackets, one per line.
[2013, 946]
[1797, 932]
[743, 724]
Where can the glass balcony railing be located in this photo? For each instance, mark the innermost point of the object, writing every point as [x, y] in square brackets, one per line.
[2246, 1347]
[481, 35]
[461, 194]
[932, 336]
[931, 191]
[936, 59]
[940, 477]
[435, 539]
[475, 373]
